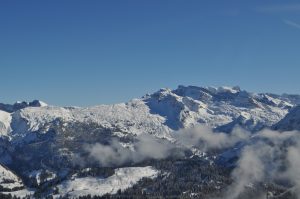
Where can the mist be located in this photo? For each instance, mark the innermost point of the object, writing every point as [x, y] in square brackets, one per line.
[266, 156]
[143, 147]
[205, 138]
[270, 156]
[146, 146]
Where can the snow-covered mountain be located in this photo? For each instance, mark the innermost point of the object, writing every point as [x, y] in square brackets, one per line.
[5, 122]
[162, 112]
[10, 183]
[20, 105]
[290, 122]
[44, 144]
[9, 180]
[218, 107]
[159, 114]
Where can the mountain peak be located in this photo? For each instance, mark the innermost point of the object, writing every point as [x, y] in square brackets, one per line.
[20, 105]
[224, 89]
[37, 103]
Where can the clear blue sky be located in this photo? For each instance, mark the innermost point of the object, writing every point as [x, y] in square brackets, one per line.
[70, 52]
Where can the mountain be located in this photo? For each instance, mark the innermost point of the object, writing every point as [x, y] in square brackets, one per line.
[217, 107]
[5, 121]
[9, 180]
[290, 122]
[20, 105]
[10, 183]
[48, 146]
[166, 110]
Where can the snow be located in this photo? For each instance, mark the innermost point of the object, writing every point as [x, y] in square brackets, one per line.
[160, 113]
[290, 122]
[8, 179]
[42, 104]
[5, 121]
[133, 117]
[187, 106]
[36, 175]
[224, 89]
[20, 193]
[121, 180]
[228, 89]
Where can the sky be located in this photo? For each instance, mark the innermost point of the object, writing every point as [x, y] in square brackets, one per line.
[84, 53]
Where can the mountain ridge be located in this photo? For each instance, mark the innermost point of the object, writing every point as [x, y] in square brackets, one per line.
[56, 139]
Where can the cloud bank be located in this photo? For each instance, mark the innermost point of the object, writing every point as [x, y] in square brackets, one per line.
[272, 157]
[267, 156]
[146, 146]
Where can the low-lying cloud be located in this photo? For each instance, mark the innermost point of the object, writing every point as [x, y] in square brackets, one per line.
[205, 138]
[146, 146]
[270, 157]
[267, 156]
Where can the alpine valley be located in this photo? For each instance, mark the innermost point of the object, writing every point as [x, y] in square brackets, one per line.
[191, 142]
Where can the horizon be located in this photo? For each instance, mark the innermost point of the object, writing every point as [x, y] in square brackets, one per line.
[91, 105]
[107, 52]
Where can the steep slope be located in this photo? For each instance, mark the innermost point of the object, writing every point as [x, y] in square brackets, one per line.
[20, 105]
[5, 121]
[290, 122]
[188, 106]
[8, 180]
[11, 184]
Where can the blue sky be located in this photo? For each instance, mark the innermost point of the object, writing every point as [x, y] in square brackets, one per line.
[92, 52]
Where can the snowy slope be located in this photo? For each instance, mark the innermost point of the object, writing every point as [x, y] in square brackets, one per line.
[9, 180]
[187, 106]
[121, 180]
[5, 121]
[20, 105]
[290, 122]
[133, 117]
[165, 111]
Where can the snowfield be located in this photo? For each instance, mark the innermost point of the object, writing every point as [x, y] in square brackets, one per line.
[121, 180]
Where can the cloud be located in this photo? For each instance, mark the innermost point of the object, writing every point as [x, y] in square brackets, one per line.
[270, 157]
[249, 169]
[113, 154]
[266, 156]
[279, 8]
[143, 147]
[293, 173]
[146, 146]
[292, 23]
[205, 138]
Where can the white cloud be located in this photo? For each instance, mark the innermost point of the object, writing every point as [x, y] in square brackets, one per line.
[279, 8]
[292, 23]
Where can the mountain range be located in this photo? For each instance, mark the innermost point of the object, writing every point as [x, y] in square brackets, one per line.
[56, 151]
